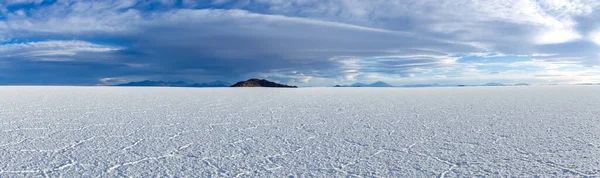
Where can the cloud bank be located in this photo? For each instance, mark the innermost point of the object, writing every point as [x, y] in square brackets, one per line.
[300, 42]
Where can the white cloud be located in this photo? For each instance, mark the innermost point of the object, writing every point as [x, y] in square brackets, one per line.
[595, 37]
[554, 36]
[13, 2]
[51, 50]
[119, 80]
[78, 18]
[535, 21]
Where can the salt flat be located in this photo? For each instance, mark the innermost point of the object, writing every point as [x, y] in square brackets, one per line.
[307, 132]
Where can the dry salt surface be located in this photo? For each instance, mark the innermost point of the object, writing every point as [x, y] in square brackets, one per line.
[549, 131]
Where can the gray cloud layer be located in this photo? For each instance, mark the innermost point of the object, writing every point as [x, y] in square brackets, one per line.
[294, 41]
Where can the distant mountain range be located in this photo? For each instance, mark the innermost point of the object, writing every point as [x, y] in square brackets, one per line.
[383, 84]
[588, 84]
[424, 85]
[502, 84]
[265, 83]
[376, 84]
[433, 85]
[494, 84]
[174, 84]
[249, 83]
[261, 83]
[521, 84]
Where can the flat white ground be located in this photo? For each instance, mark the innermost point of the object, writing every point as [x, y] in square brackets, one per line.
[307, 132]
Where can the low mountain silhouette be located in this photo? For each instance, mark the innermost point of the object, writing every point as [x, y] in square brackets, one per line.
[358, 85]
[422, 85]
[174, 84]
[426, 85]
[154, 83]
[217, 83]
[522, 84]
[260, 83]
[588, 84]
[494, 84]
[376, 84]
[380, 84]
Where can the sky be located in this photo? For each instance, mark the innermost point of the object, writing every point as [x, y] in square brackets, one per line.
[300, 42]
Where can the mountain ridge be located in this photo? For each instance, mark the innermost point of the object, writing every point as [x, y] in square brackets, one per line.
[161, 83]
[374, 84]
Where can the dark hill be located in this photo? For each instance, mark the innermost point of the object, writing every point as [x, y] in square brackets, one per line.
[261, 83]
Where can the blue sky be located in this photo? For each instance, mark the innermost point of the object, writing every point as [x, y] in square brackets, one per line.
[300, 42]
